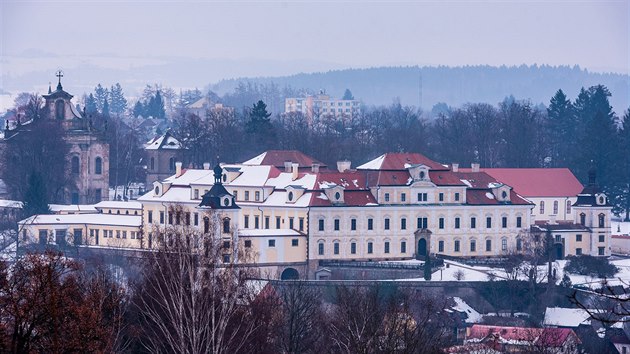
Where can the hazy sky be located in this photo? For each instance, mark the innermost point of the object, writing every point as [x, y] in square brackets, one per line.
[592, 34]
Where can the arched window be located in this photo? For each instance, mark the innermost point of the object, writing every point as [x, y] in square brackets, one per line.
[555, 207]
[59, 114]
[75, 165]
[171, 164]
[583, 219]
[98, 166]
[152, 163]
[226, 225]
[519, 244]
[568, 206]
[206, 224]
[542, 207]
[602, 220]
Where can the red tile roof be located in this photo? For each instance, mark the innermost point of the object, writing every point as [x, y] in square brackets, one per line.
[445, 178]
[349, 180]
[541, 336]
[399, 160]
[480, 197]
[537, 182]
[351, 198]
[476, 179]
[278, 157]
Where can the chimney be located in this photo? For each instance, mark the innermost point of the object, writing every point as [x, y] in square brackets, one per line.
[455, 167]
[343, 165]
[315, 168]
[474, 167]
[178, 168]
[287, 166]
[294, 171]
[206, 165]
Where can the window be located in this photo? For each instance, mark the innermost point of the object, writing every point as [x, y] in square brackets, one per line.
[187, 218]
[353, 248]
[196, 194]
[171, 164]
[133, 235]
[291, 223]
[457, 223]
[256, 222]
[473, 222]
[266, 222]
[295, 242]
[578, 251]
[43, 237]
[277, 222]
[601, 251]
[257, 196]
[488, 245]
[457, 197]
[226, 258]
[59, 109]
[558, 238]
[370, 224]
[601, 218]
[150, 216]
[226, 226]
[555, 207]
[226, 244]
[177, 218]
[583, 219]
[386, 224]
[124, 234]
[456, 246]
[519, 244]
[152, 163]
[248, 243]
[245, 221]
[422, 197]
[271, 243]
[301, 223]
[542, 207]
[403, 246]
[336, 224]
[246, 195]
[473, 246]
[170, 218]
[117, 233]
[235, 193]
[441, 197]
[568, 206]
[441, 223]
[320, 249]
[353, 224]
[440, 246]
[321, 224]
[578, 238]
[98, 195]
[386, 247]
[519, 221]
[75, 165]
[489, 222]
[602, 238]
[336, 248]
[403, 197]
[387, 197]
[98, 166]
[504, 222]
[370, 248]
[422, 223]
[403, 224]
[161, 217]
[504, 244]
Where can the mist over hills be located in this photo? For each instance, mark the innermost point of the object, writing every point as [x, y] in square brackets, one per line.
[426, 86]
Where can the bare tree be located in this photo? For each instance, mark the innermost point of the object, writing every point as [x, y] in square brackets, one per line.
[191, 299]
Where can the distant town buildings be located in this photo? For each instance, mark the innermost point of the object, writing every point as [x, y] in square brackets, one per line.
[204, 106]
[322, 105]
[162, 153]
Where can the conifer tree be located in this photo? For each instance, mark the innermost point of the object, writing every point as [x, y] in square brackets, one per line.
[561, 129]
[259, 126]
[347, 95]
[90, 104]
[118, 102]
[105, 109]
[35, 198]
[100, 95]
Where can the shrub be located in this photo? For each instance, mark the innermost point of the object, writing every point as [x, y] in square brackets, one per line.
[589, 265]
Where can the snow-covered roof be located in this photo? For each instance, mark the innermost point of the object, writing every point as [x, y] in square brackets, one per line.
[165, 141]
[82, 219]
[118, 204]
[74, 208]
[174, 194]
[566, 317]
[4, 203]
[268, 232]
[472, 315]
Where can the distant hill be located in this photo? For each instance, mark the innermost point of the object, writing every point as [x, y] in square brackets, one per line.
[426, 86]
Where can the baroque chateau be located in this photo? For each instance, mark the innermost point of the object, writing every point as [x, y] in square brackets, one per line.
[294, 214]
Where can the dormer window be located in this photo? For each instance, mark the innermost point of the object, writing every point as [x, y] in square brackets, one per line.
[601, 200]
[157, 190]
[226, 201]
[337, 195]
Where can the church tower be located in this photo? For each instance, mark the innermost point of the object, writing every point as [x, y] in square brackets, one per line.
[87, 164]
[592, 210]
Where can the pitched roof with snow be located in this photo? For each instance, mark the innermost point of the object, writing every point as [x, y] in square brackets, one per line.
[396, 161]
[92, 219]
[552, 337]
[277, 158]
[166, 141]
[537, 182]
[566, 317]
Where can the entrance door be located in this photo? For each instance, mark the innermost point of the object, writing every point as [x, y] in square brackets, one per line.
[421, 252]
[559, 250]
